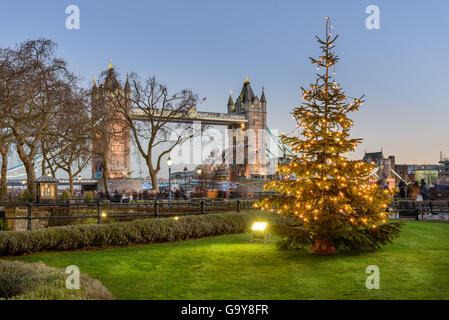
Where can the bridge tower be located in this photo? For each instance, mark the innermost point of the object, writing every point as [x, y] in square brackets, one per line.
[253, 143]
[111, 143]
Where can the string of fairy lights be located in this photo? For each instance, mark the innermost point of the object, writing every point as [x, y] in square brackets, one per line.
[319, 183]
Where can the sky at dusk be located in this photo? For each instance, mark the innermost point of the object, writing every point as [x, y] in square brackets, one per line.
[210, 46]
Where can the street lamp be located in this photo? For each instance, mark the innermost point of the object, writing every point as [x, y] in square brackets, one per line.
[79, 182]
[185, 179]
[198, 172]
[169, 164]
[23, 184]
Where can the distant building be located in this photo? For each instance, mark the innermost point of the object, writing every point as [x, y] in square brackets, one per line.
[404, 172]
[373, 157]
[418, 172]
[429, 176]
[255, 111]
[443, 177]
[384, 175]
[117, 144]
[391, 173]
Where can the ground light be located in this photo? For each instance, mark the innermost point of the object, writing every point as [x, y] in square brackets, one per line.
[260, 231]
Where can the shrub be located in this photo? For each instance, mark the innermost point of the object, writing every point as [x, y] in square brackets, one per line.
[4, 225]
[125, 233]
[66, 195]
[36, 281]
[89, 197]
[25, 197]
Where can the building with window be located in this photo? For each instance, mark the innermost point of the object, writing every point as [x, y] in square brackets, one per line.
[429, 176]
[113, 140]
[385, 175]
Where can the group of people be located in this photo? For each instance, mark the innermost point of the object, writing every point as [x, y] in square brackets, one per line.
[418, 191]
[139, 195]
[14, 194]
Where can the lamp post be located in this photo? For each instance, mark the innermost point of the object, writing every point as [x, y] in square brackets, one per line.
[23, 184]
[198, 172]
[169, 164]
[79, 182]
[185, 180]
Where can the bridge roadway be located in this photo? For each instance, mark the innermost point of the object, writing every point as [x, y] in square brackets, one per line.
[76, 182]
[212, 118]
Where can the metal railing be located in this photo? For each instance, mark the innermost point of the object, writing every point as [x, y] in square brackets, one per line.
[149, 209]
[421, 210]
[103, 212]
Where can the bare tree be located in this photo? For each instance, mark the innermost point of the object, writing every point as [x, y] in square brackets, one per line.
[7, 73]
[5, 143]
[102, 136]
[213, 168]
[149, 111]
[68, 143]
[34, 95]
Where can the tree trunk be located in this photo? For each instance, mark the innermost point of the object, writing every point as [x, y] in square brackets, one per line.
[323, 247]
[43, 165]
[154, 182]
[3, 187]
[70, 181]
[51, 168]
[153, 175]
[105, 176]
[29, 168]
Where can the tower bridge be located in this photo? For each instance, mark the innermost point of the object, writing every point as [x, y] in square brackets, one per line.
[248, 112]
[211, 118]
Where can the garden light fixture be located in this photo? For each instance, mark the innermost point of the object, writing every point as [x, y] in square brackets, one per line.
[259, 226]
[260, 230]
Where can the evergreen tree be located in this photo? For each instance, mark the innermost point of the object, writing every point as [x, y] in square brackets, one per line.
[328, 195]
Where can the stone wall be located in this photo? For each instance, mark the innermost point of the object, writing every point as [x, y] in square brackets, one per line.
[22, 224]
[121, 184]
[251, 186]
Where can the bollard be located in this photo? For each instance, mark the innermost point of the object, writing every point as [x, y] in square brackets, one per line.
[238, 205]
[29, 210]
[416, 212]
[203, 209]
[3, 222]
[99, 212]
[156, 208]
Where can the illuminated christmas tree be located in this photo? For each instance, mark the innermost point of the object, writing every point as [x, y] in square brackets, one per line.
[327, 195]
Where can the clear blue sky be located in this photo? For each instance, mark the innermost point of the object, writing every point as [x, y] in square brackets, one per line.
[209, 46]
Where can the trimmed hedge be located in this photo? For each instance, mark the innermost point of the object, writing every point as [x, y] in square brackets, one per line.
[125, 233]
[36, 281]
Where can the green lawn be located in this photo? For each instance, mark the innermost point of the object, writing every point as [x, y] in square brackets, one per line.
[416, 266]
